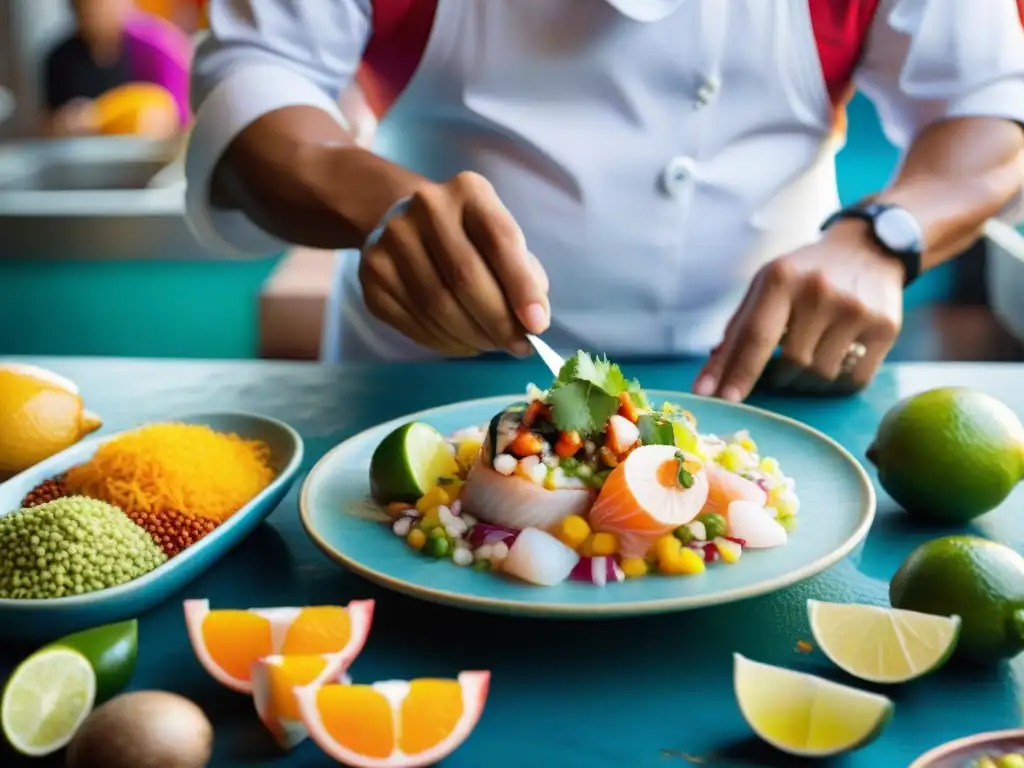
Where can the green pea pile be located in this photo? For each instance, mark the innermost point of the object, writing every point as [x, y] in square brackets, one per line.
[71, 546]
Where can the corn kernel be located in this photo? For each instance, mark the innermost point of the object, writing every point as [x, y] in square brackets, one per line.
[572, 531]
[769, 466]
[431, 520]
[432, 499]
[729, 551]
[467, 452]
[685, 562]
[634, 567]
[416, 538]
[600, 545]
[747, 444]
[667, 548]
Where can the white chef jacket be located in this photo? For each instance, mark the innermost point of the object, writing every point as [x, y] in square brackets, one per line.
[656, 153]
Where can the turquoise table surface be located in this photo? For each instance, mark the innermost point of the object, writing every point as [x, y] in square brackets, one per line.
[653, 692]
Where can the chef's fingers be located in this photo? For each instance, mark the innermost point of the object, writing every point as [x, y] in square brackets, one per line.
[463, 270]
[430, 299]
[877, 341]
[387, 299]
[757, 333]
[706, 383]
[810, 318]
[500, 241]
[846, 324]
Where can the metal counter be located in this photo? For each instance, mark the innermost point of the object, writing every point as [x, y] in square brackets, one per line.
[93, 198]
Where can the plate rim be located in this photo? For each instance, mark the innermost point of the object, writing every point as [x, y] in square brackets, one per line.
[950, 748]
[171, 566]
[576, 610]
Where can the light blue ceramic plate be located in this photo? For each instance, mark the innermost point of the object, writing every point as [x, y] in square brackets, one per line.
[837, 506]
[47, 619]
[969, 751]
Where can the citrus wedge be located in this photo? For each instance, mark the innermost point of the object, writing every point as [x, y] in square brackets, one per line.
[228, 642]
[393, 724]
[274, 680]
[806, 715]
[882, 645]
[46, 700]
[409, 462]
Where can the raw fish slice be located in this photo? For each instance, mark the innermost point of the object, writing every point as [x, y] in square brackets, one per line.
[514, 502]
[725, 487]
[642, 499]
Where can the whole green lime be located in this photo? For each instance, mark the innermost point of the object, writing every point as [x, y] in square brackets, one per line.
[949, 454]
[112, 650]
[978, 580]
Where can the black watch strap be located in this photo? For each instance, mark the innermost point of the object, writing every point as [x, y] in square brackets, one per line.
[893, 229]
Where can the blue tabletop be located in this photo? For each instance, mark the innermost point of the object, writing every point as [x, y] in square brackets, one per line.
[631, 692]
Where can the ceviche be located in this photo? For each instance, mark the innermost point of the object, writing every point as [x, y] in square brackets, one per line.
[585, 480]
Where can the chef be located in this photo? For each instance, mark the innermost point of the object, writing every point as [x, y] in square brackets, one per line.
[634, 177]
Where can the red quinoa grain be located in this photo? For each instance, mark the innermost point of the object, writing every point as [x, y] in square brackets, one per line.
[173, 531]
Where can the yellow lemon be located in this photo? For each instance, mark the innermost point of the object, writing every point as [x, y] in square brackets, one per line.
[130, 108]
[41, 414]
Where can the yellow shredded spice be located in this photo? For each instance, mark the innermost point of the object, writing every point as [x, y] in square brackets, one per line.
[175, 467]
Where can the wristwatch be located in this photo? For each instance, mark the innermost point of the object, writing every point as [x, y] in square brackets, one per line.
[893, 228]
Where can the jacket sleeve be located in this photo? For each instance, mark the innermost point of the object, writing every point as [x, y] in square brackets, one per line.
[261, 56]
[928, 60]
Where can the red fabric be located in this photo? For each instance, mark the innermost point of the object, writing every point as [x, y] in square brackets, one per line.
[840, 30]
[401, 29]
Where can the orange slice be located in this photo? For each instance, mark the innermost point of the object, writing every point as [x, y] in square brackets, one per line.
[228, 642]
[643, 500]
[393, 724]
[274, 680]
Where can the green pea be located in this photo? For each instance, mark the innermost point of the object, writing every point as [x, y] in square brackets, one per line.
[482, 565]
[714, 524]
[437, 546]
[684, 534]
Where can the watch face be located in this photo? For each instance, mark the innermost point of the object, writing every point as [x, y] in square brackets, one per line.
[898, 230]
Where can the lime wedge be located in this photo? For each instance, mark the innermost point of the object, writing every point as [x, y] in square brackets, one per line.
[806, 715]
[409, 462]
[882, 645]
[46, 700]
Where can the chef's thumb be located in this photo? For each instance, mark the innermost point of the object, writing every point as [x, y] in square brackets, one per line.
[534, 311]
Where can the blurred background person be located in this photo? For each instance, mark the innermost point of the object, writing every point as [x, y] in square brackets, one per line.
[120, 71]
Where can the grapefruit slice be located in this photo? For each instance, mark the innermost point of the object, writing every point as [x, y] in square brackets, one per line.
[274, 680]
[643, 498]
[396, 723]
[228, 642]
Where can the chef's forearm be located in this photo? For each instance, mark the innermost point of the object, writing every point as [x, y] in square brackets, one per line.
[296, 174]
[958, 174]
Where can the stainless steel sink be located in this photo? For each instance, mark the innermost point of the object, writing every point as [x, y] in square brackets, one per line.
[63, 176]
[91, 198]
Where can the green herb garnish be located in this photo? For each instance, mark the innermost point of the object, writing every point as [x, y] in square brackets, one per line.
[684, 476]
[586, 394]
[655, 430]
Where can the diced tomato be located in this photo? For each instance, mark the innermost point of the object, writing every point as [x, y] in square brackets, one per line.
[525, 444]
[535, 410]
[627, 408]
[568, 444]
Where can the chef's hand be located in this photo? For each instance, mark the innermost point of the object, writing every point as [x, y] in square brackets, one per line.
[818, 301]
[451, 271]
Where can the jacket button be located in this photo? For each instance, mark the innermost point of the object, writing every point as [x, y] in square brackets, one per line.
[676, 175]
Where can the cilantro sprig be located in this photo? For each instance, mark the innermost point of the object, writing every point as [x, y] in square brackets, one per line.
[586, 393]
